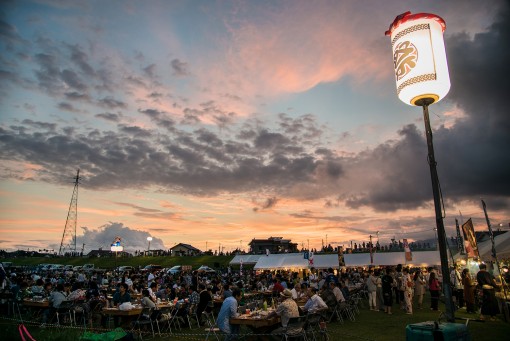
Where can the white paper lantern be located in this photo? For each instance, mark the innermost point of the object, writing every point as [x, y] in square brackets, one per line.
[419, 57]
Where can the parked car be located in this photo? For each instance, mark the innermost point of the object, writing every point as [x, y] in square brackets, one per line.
[151, 267]
[125, 268]
[44, 267]
[68, 268]
[205, 268]
[76, 268]
[174, 270]
[57, 267]
[6, 265]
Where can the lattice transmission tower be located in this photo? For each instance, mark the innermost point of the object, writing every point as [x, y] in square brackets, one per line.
[69, 236]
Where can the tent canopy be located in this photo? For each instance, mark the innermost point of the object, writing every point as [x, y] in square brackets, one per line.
[420, 258]
[247, 259]
[296, 261]
[502, 243]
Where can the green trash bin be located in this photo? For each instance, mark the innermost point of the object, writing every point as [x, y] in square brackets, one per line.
[433, 331]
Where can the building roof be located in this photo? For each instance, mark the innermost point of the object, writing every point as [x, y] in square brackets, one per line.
[270, 240]
[187, 246]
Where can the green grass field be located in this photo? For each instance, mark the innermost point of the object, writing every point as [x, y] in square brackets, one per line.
[111, 262]
[369, 325]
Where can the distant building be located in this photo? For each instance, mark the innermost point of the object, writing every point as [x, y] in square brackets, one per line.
[182, 249]
[273, 244]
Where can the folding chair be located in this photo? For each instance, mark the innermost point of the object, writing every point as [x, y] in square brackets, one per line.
[143, 319]
[295, 328]
[166, 318]
[66, 310]
[315, 324]
[335, 312]
[347, 311]
[211, 326]
[192, 313]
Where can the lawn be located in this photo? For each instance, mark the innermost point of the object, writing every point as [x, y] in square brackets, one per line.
[111, 262]
[369, 325]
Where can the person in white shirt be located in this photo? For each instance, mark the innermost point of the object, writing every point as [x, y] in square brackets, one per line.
[151, 277]
[313, 279]
[297, 292]
[315, 302]
[338, 293]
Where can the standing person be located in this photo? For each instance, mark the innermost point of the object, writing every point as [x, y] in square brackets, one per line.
[408, 292]
[419, 287]
[379, 293]
[434, 291]
[313, 279]
[228, 310]
[399, 288]
[488, 284]
[372, 290]
[469, 291]
[458, 290]
[387, 288]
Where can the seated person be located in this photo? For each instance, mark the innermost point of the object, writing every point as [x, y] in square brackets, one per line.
[336, 290]
[147, 301]
[122, 295]
[227, 311]
[297, 292]
[205, 299]
[226, 291]
[286, 310]
[314, 302]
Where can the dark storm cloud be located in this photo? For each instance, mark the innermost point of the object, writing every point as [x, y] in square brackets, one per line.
[9, 34]
[267, 204]
[80, 59]
[40, 125]
[109, 116]
[48, 74]
[76, 96]
[199, 162]
[475, 151]
[150, 70]
[112, 103]
[180, 68]
[73, 80]
[160, 118]
[67, 107]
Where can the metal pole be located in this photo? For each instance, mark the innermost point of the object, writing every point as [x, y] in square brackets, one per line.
[441, 233]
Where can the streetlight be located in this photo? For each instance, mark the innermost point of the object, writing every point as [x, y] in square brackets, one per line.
[149, 239]
[421, 72]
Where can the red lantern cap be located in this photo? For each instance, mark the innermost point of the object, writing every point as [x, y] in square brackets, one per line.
[407, 16]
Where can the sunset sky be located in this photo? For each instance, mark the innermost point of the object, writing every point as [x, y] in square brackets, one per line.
[215, 122]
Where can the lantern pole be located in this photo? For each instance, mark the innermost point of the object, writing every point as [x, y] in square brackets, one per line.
[436, 191]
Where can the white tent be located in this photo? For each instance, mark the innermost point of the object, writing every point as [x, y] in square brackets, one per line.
[247, 259]
[296, 261]
[502, 243]
[420, 258]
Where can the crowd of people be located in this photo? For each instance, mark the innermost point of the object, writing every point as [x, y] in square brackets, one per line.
[324, 289]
